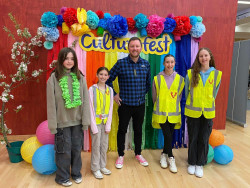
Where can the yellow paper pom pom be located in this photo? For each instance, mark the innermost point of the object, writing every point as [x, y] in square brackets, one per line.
[81, 15]
[65, 28]
[79, 30]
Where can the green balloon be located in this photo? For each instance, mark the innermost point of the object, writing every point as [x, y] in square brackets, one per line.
[210, 155]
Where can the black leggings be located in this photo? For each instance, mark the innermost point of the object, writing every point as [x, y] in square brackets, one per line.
[168, 131]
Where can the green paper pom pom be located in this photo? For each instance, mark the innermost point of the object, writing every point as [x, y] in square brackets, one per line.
[100, 31]
[48, 45]
[199, 19]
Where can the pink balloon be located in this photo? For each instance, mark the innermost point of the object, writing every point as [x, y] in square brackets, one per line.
[44, 135]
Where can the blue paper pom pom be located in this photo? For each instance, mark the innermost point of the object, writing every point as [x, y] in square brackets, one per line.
[60, 20]
[169, 25]
[141, 21]
[92, 20]
[48, 45]
[197, 30]
[193, 20]
[117, 26]
[143, 32]
[51, 34]
[107, 15]
[49, 19]
[103, 23]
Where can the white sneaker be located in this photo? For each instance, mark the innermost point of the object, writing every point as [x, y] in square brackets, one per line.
[199, 171]
[163, 160]
[98, 174]
[172, 165]
[78, 180]
[105, 171]
[66, 184]
[191, 169]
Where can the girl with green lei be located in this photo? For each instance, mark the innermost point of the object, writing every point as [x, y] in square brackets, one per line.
[68, 114]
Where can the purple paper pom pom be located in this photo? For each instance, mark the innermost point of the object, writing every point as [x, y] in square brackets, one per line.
[117, 26]
[197, 30]
[193, 20]
[170, 16]
[49, 19]
[169, 25]
[60, 20]
[141, 21]
[63, 9]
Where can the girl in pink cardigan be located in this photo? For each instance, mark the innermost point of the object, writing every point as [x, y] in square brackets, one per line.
[101, 108]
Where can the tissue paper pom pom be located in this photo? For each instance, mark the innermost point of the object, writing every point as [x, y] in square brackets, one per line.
[103, 23]
[92, 20]
[100, 31]
[100, 14]
[107, 15]
[51, 33]
[197, 30]
[131, 24]
[65, 28]
[197, 39]
[70, 16]
[81, 15]
[117, 26]
[78, 29]
[48, 45]
[143, 32]
[199, 19]
[155, 26]
[63, 9]
[169, 25]
[49, 19]
[141, 21]
[193, 20]
[170, 16]
[183, 25]
[60, 20]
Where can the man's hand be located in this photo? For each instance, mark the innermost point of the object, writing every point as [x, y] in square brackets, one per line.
[117, 99]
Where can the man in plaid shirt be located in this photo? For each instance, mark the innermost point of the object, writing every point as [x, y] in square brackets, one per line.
[134, 82]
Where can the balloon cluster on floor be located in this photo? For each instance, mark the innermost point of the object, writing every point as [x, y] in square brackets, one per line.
[220, 153]
[39, 150]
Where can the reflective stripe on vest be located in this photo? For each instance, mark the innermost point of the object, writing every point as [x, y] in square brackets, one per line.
[100, 116]
[176, 113]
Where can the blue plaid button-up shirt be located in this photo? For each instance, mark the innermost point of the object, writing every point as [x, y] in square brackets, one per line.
[134, 80]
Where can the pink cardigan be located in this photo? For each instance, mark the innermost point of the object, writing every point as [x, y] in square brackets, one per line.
[93, 125]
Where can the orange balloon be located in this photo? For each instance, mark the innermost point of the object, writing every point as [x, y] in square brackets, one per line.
[216, 138]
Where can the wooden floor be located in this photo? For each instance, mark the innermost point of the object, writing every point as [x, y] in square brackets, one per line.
[235, 174]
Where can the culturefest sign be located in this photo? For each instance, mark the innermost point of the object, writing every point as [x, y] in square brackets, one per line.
[107, 43]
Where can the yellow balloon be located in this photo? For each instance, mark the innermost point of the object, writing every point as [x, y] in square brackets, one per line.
[29, 147]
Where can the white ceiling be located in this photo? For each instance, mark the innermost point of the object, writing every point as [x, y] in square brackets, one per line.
[242, 28]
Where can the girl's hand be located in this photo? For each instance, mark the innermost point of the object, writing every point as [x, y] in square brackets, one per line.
[107, 132]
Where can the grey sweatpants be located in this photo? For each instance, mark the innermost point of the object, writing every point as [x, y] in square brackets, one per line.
[99, 148]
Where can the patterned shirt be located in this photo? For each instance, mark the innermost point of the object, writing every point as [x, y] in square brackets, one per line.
[134, 80]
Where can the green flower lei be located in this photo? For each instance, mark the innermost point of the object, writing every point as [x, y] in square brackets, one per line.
[63, 82]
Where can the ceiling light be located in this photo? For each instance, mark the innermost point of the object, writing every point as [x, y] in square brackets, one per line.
[244, 2]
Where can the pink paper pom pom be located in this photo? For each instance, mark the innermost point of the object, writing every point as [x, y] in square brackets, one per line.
[63, 9]
[155, 26]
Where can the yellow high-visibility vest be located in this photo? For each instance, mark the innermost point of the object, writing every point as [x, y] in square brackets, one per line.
[167, 104]
[201, 99]
[101, 111]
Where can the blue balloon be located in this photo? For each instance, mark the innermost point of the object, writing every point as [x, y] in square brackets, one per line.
[223, 154]
[43, 160]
